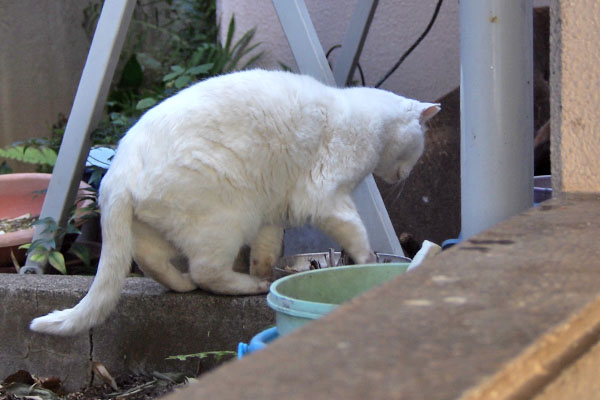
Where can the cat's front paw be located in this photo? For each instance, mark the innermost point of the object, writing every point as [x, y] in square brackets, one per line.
[367, 257]
[372, 258]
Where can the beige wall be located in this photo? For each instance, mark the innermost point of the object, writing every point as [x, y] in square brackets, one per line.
[430, 72]
[43, 48]
[396, 25]
[575, 85]
[42, 52]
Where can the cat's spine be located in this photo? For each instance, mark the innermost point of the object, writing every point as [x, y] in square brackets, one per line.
[113, 267]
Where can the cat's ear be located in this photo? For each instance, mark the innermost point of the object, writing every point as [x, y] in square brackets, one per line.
[428, 110]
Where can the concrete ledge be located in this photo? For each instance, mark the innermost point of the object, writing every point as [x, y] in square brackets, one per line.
[149, 325]
[503, 315]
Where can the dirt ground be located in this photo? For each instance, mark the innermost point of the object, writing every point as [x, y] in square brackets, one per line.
[23, 385]
[134, 387]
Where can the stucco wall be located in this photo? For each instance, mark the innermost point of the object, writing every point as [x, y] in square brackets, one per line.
[575, 87]
[42, 52]
[395, 26]
[430, 72]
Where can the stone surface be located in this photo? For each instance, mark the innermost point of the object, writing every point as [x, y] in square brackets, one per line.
[149, 325]
[448, 327]
[24, 298]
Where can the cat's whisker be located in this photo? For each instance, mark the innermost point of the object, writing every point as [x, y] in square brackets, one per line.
[399, 188]
[394, 192]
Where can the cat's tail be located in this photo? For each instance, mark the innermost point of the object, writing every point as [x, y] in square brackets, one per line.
[113, 267]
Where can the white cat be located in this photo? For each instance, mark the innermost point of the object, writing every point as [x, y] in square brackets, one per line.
[229, 162]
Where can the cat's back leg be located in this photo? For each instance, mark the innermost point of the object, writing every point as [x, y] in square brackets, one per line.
[211, 250]
[154, 256]
[216, 275]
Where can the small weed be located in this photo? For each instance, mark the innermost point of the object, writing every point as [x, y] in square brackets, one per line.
[218, 355]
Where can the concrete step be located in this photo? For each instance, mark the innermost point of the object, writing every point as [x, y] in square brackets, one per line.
[148, 325]
[512, 313]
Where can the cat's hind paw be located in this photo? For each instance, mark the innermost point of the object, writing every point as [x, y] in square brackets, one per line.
[264, 285]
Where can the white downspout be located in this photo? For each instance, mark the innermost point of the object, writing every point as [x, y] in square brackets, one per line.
[496, 111]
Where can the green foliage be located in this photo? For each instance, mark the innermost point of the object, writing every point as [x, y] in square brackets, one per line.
[132, 75]
[41, 152]
[184, 50]
[45, 250]
[145, 103]
[5, 168]
[219, 355]
[39, 155]
[208, 59]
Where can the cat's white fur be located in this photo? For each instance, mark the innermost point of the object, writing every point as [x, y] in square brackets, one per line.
[229, 162]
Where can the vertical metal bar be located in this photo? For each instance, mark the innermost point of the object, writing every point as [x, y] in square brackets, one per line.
[303, 39]
[345, 64]
[496, 111]
[372, 210]
[311, 60]
[87, 110]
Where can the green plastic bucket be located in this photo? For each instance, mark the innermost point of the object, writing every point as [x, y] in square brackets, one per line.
[303, 297]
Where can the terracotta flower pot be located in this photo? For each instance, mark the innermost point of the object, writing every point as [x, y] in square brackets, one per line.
[21, 194]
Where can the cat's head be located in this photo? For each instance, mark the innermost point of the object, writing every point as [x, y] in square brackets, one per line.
[406, 141]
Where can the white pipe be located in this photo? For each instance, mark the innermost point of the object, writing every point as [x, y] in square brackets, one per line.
[496, 111]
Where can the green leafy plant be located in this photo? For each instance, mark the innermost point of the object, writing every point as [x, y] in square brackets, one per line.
[41, 152]
[185, 49]
[41, 155]
[44, 251]
[5, 168]
[208, 59]
[47, 250]
[219, 355]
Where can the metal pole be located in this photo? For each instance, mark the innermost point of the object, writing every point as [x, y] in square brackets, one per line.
[496, 111]
[304, 42]
[359, 25]
[311, 60]
[85, 114]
